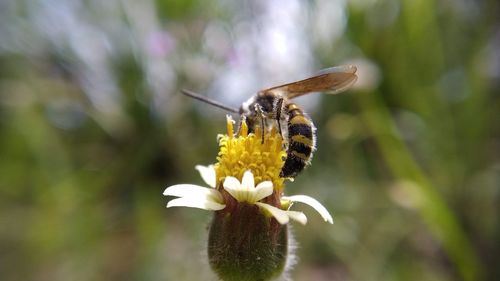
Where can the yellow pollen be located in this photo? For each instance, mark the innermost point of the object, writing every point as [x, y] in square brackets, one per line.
[246, 151]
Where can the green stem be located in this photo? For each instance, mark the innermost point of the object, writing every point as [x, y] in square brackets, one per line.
[432, 207]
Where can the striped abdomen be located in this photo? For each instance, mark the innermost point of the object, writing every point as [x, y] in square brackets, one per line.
[301, 141]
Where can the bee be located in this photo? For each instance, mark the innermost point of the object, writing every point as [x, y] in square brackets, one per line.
[274, 107]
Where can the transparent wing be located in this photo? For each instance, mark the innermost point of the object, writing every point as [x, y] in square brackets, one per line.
[331, 80]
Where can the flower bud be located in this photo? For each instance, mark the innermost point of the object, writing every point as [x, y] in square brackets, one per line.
[246, 245]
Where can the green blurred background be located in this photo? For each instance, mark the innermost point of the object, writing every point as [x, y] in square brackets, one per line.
[93, 128]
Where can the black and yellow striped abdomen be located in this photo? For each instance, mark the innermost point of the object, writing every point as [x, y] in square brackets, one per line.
[301, 141]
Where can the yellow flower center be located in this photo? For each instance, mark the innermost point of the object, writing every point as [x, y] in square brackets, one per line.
[246, 151]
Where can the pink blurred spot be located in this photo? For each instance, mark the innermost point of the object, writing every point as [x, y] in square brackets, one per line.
[232, 57]
[160, 44]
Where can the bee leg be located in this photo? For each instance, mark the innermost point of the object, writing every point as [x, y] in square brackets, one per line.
[260, 112]
[242, 118]
[279, 106]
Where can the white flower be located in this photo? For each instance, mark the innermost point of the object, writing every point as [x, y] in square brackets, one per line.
[196, 196]
[247, 191]
[210, 199]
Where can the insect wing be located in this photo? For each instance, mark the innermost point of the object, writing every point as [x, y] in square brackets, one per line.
[331, 80]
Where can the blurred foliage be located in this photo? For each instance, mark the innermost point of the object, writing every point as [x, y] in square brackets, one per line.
[92, 129]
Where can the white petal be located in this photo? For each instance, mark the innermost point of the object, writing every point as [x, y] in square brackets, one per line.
[280, 215]
[313, 203]
[196, 202]
[248, 182]
[262, 190]
[191, 190]
[207, 173]
[233, 186]
[231, 182]
[297, 216]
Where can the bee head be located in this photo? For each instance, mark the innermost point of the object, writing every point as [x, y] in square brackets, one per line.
[247, 108]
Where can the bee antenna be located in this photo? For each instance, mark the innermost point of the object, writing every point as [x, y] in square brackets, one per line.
[209, 101]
